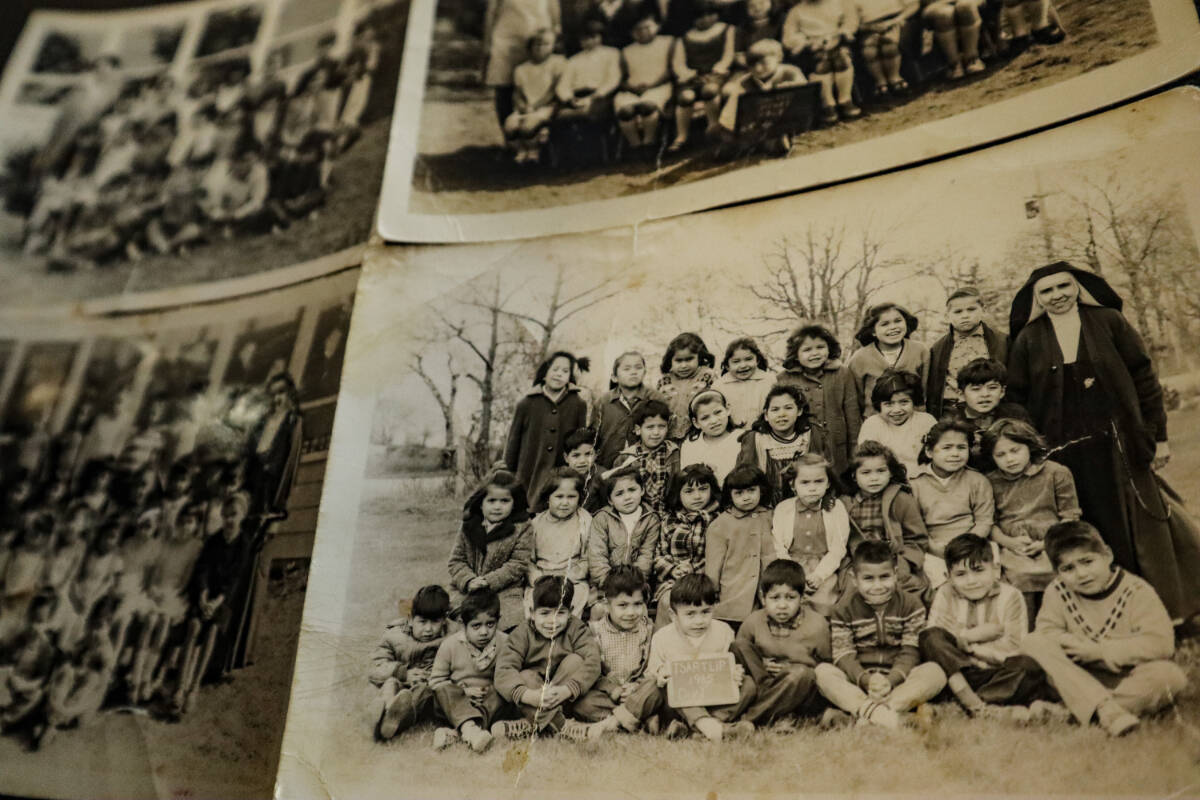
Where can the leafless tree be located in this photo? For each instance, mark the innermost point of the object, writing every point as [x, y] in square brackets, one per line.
[445, 394]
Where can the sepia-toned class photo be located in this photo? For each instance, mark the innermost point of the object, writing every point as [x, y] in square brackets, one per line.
[547, 116]
[161, 479]
[890, 489]
[191, 142]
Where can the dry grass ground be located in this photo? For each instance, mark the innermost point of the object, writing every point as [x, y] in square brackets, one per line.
[402, 542]
[463, 169]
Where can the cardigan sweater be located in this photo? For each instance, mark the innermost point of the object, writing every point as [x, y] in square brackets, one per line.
[609, 543]
[939, 363]
[526, 649]
[1126, 618]
[803, 642]
[833, 405]
[867, 638]
[459, 662]
[1002, 605]
[837, 534]
[962, 503]
[739, 546]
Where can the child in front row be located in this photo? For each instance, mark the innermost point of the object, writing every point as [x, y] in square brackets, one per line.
[1031, 494]
[653, 454]
[882, 508]
[463, 670]
[546, 664]
[623, 635]
[899, 426]
[812, 529]
[693, 502]
[401, 663]
[816, 33]
[781, 644]
[976, 624]
[876, 672]
[560, 534]
[740, 543]
[1103, 636]
[954, 498]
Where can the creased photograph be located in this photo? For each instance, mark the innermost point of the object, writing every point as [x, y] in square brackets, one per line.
[149, 148]
[889, 488]
[533, 117]
[161, 476]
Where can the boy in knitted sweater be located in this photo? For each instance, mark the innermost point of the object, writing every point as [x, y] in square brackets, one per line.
[401, 663]
[782, 643]
[976, 624]
[876, 671]
[547, 664]
[463, 670]
[1103, 636]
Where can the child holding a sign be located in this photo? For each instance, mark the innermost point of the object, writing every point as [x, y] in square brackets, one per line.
[708, 696]
[876, 672]
[781, 644]
[547, 664]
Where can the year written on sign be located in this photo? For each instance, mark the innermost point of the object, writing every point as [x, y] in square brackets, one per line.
[702, 682]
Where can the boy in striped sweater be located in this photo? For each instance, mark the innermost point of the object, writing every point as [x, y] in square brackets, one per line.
[1103, 636]
[876, 672]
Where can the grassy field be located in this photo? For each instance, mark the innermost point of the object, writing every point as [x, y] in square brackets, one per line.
[411, 532]
[463, 169]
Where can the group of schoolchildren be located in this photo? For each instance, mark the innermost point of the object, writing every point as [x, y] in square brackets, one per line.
[859, 557]
[640, 61]
[118, 586]
[165, 168]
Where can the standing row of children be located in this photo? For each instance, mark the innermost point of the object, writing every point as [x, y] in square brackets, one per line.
[238, 152]
[920, 556]
[641, 60]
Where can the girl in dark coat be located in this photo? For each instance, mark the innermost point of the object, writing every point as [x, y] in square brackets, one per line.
[543, 418]
[1084, 375]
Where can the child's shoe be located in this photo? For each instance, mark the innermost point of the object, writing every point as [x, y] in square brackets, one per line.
[374, 710]
[653, 725]
[676, 730]
[476, 738]
[878, 714]
[829, 115]
[1115, 719]
[395, 714]
[784, 726]
[975, 66]
[574, 731]
[444, 737]
[1051, 34]
[513, 729]
[1042, 711]
[739, 730]
[956, 72]
[849, 111]
[605, 726]
[711, 728]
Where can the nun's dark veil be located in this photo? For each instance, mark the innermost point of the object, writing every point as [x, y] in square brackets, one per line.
[1093, 290]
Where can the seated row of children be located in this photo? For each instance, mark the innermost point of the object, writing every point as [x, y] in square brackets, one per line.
[236, 153]
[116, 589]
[1101, 643]
[627, 68]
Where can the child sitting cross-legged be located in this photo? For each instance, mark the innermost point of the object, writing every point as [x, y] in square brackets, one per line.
[767, 72]
[1103, 636]
[401, 663]
[463, 671]
[975, 627]
[876, 672]
[547, 664]
[782, 643]
[623, 634]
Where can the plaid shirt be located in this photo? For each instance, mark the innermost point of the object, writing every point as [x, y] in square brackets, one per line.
[623, 654]
[867, 514]
[964, 349]
[681, 542]
[656, 467]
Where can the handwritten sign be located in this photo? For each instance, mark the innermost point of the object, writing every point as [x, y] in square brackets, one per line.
[779, 111]
[702, 682]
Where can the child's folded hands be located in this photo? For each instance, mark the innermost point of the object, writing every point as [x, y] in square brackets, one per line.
[878, 686]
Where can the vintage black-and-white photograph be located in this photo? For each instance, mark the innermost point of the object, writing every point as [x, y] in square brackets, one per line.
[191, 142]
[161, 477]
[889, 489]
[595, 113]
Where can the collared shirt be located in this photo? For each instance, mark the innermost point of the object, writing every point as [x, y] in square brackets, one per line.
[965, 349]
[623, 654]
[867, 513]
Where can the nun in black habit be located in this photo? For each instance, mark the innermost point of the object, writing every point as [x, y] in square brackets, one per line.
[1088, 382]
